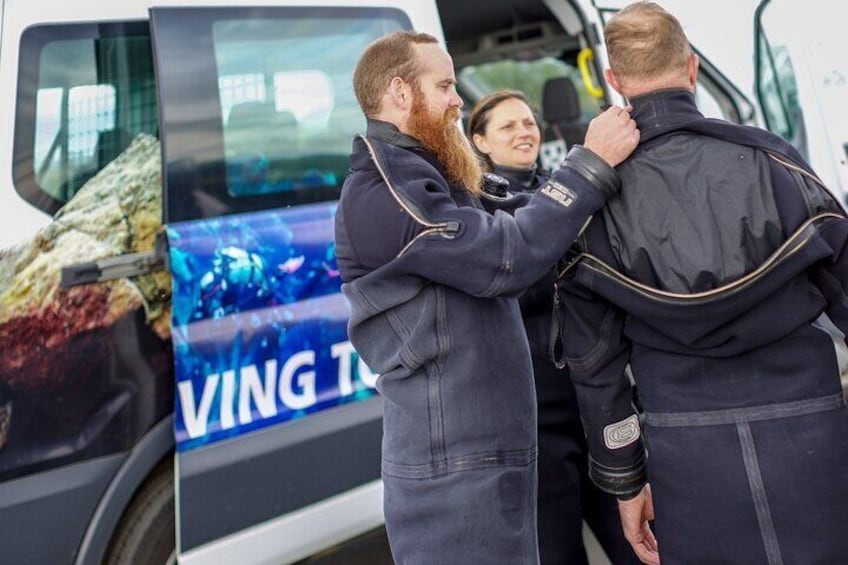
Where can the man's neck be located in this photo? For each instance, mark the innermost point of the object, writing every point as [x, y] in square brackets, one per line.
[390, 133]
[640, 89]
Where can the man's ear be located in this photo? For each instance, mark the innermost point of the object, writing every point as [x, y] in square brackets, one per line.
[692, 66]
[613, 81]
[400, 93]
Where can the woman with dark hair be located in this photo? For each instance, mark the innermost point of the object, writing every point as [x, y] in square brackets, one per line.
[504, 132]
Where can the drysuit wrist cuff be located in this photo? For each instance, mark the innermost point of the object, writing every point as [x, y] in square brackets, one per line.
[623, 482]
[590, 166]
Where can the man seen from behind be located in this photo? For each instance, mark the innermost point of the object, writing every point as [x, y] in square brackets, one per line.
[712, 276]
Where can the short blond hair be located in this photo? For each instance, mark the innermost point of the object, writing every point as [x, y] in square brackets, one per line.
[389, 56]
[645, 42]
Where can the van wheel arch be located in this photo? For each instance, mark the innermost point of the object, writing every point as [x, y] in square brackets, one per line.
[152, 451]
[146, 532]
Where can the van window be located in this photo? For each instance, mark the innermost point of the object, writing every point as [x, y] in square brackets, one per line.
[777, 87]
[273, 124]
[90, 110]
[237, 89]
[92, 92]
[287, 107]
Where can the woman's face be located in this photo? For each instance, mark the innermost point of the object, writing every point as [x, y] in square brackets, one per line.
[512, 136]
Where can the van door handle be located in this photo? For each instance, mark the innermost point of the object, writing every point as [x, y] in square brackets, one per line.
[117, 267]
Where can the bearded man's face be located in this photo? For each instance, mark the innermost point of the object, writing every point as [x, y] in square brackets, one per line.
[435, 127]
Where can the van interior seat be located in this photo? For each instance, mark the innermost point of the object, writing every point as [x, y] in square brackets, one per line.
[562, 120]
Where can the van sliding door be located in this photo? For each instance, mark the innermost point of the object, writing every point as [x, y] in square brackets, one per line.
[276, 419]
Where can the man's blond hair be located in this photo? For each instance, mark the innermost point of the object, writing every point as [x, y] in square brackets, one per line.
[390, 56]
[646, 42]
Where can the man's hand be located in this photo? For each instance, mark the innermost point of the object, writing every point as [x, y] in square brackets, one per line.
[612, 135]
[635, 514]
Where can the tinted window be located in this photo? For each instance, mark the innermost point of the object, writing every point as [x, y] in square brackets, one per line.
[265, 115]
[777, 88]
[91, 93]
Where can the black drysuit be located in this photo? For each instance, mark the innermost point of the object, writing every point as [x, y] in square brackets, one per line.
[566, 496]
[712, 277]
[432, 280]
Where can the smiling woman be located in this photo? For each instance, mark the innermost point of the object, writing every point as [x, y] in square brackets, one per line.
[504, 131]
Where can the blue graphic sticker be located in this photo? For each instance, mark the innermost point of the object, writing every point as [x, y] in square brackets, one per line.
[259, 323]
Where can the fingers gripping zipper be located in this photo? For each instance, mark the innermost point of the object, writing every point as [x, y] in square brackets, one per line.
[447, 229]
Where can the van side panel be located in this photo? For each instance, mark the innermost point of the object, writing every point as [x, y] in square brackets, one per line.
[269, 474]
[115, 379]
[60, 502]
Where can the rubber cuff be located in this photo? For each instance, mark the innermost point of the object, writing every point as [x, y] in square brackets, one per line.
[587, 164]
[623, 482]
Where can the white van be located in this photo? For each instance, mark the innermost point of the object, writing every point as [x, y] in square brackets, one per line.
[176, 380]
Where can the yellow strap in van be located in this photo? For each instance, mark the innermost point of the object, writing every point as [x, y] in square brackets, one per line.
[583, 58]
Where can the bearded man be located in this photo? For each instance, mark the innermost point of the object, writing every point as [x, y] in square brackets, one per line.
[432, 280]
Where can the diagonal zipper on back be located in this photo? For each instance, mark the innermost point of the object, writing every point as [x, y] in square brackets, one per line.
[789, 248]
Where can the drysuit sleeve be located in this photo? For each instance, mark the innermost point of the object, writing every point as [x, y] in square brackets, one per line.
[597, 353]
[498, 254]
[831, 276]
[800, 198]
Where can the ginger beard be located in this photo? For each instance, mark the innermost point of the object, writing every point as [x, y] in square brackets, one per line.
[441, 137]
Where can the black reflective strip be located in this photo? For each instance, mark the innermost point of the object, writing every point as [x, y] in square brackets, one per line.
[758, 491]
[748, 414]
[624, 482]
[239, 483]
[516, 458]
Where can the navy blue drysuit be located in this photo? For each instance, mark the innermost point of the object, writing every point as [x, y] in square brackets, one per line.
[710, 276]
[432, 280]
[566, 495]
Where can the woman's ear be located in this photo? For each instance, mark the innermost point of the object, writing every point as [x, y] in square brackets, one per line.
[480, 143]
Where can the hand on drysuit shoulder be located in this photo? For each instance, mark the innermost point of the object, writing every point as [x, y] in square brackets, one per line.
[612, 135]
